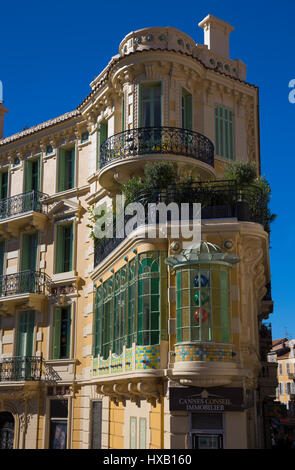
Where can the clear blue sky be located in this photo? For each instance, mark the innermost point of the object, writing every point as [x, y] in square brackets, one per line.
[51, 51]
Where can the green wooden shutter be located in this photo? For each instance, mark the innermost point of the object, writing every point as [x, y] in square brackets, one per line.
[69, 168]
[26, 252]
[25, 333]
[123, 114]
[224, 132]
[29, 251]
[187, 110]
[2, 255]
[68, 332]
[68, 247]
[59, 254]
[150, 111]
[28, 176]
[101, 137]
[64, 248]
[56, 333]
[61, 170]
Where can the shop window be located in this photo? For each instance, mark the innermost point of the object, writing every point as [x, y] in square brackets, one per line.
[58, 424]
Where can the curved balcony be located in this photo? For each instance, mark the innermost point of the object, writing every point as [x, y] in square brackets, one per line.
[26, 287]
[218, 199]
[121, 153]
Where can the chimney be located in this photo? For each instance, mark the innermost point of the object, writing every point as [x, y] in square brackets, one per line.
[216, 35]
[2, 111]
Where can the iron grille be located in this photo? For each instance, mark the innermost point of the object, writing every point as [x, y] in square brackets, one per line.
[157, 140]
[22, 203]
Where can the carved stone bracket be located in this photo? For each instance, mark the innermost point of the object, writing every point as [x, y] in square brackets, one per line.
[149, 390]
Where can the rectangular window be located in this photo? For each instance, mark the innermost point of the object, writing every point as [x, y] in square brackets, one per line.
[29, 251]
[187, 110]
[288, 368]
[280, 369]
[32, 175]
[66, 170]
[224, 132]
[4, 184]
[150, 105]
[58, 424]
[101, 138]
[84, 137]
[142, 433]
[61, 333]
[123, 114]
[133, 433]
[96, 423]
[64, 248]
[25, 331]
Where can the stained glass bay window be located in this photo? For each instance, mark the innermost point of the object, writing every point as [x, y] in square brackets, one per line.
[127, 305]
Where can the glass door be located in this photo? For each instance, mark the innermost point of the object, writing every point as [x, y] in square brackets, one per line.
[149, 138]
[29, 261]
[24, 346]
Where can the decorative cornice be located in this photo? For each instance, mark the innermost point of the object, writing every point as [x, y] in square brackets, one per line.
[39, 127]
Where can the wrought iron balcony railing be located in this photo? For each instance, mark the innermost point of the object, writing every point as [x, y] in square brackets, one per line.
[157, 140]
[23, 282]
[218, 199]
[22, 203]
[22, 368]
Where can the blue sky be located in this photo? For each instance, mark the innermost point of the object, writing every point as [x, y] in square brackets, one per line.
[51, 51]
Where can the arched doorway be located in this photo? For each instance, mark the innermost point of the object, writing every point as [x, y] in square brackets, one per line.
[6, 430]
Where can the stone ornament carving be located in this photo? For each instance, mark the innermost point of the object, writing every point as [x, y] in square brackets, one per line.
[149, 390]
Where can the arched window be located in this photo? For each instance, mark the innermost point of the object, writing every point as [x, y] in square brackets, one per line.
[6, 430]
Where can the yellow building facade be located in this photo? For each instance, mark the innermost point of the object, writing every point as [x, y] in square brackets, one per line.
[141, 341]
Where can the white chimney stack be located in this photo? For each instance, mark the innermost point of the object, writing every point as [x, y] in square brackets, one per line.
[216, 35]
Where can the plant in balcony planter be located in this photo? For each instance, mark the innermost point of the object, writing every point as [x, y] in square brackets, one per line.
[251, 203]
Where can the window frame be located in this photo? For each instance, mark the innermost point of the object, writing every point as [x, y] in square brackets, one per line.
[224, 132]
[61, 183]
[59, 261]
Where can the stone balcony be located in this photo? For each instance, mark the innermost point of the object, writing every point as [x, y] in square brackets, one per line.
[21, 211]
[123, 155]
